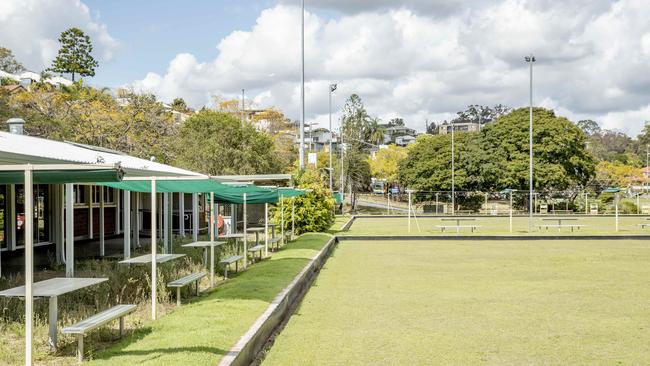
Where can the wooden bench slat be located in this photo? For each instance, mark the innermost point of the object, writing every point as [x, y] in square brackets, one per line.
[231, 259]
[99, 319]
[256, 248]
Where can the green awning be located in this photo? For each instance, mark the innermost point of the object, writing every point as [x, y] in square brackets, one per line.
[612, 190]
[338, 197]
[290, 192]
[62, 176]
[223, 193]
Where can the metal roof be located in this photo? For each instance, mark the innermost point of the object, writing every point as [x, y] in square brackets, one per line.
[23, 149]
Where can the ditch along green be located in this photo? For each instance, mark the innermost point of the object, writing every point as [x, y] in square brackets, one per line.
[487, 302]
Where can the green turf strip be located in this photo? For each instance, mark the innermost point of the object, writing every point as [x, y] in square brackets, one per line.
[567, 302]
[593, 225]
[201, 332]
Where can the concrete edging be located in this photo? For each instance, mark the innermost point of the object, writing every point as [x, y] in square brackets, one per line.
[347, 225]
[493, 237]
[247, 349]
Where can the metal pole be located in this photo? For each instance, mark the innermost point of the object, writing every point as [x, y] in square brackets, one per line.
[331, 135]
[243, 106]
[181, 214]
[530, 60]
[102, 241]
[293, 216]
[69, 229]
[302, 86]
[211, 239]
[409, 208]
[616, 209]
[586, 203]
[246, 236]
[127, 224]
[29, 263]
[154, 274]
[510, 211]
[453, 178]
[266, 229]
[282, 218]
[195, 216]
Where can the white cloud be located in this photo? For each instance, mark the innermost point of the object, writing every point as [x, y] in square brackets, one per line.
[30, 28]
[418, 63]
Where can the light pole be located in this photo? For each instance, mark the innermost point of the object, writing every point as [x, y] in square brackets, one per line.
[332, 89]
[302, 86]
[243, 105]
[453, 176]
[530, 60]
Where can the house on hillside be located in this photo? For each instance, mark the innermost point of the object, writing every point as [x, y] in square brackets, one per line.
[445, 127]
[392, 133]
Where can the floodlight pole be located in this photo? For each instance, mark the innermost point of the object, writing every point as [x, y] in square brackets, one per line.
[616, 209]
[409, 208]
[332, 88]
[211, 239]
[302, 86]
[586, 203]
[453, 177]
[511, 211]
[530, 60]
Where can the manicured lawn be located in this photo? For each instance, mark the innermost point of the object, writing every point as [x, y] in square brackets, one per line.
[496, 226]
[565, 302]
[201, 332]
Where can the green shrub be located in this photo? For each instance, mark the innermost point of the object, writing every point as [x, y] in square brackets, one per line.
[314, 211]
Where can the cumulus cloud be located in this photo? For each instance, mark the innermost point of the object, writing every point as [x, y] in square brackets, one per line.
[30, 28]
[414, 62]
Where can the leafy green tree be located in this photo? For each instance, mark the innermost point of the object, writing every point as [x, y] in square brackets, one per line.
[179, 105]
[355, 127]
[75, 54]
[385, 163]
[589, 127]
[396, 122]
[497, 157]
[8, 62]
[314, 211]
[217, 143]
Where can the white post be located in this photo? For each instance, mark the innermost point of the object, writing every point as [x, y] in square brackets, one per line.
[12, 217]
[91, 197]
[282, 218]
[127, 224]
[409, 210]
[211, 239]
[436, 203]
[586, 203]
[293, 216]
[616, 209]
[165, 209]
[511, 211]
[195, 216]
[154, 274]
[181, 214]
[245, 236]
[102, 242]
[69, 229]
[388, 203]
[136, 229]
[29, 263]
[266, 229]
[118, 203]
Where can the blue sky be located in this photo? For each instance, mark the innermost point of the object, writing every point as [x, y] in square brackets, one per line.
[150, 33]
[416, 59]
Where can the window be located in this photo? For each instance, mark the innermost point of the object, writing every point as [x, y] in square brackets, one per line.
[41, 214]
[109, 195]
[80, 197]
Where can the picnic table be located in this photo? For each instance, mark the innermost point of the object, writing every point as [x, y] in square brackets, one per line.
[52, 289]
[257, 231]
[146, 259]
[458, 225]
[205, 245]
[559, 224]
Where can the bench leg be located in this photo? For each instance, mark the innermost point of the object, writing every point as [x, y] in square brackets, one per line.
[121, 326]
[197, 287]
[80, 348]
[236, 266]
[225, 272]
[178, 296]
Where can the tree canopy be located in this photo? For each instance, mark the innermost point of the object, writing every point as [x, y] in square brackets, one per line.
[8, 62]
[75, 56]
[497, 157]
[217, 143]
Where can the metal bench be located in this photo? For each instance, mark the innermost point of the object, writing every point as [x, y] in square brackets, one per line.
[288, 235]
[275, 241]
[458, 227]
[226, 262]
[184, 281]
[256, 249]
[559, 227]
[83, 327]
[643, 226]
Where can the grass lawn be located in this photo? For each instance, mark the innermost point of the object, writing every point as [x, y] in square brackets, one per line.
[497, 226]
[201, 332]
[474, 302]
